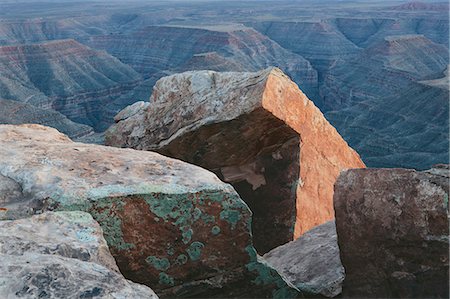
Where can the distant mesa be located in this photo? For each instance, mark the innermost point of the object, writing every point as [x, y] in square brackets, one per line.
[438, 6]
[257, 131]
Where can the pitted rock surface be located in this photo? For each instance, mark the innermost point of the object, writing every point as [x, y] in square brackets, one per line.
[393, 233]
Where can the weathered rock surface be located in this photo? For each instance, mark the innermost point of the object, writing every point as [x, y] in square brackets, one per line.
[257, 131]
[169, 225]
[57, 255]
[393, 232]
[16, 113]
[312, 261]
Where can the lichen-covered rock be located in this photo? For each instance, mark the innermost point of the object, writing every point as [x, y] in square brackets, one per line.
[166, 222]
[60, 255]
[393, 232]
[311, 262]
[257, 131]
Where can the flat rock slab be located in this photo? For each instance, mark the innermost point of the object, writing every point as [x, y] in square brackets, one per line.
[60, 255]
[393, 232]
[311, 262]
[166, 222]
[257, 131]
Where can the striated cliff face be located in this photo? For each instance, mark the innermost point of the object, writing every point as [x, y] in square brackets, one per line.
[383, 69]
[14, 112]
[68, 77]
[158, 50]
[413, 132]
[257, 131]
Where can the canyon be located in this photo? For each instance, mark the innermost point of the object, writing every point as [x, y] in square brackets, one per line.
[343, 59]
[218, 149]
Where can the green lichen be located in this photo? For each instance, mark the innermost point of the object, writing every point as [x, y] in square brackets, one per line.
[267, 276]
[215, 230]
[86, 235]
[170, 251]
[104, 211]
[158, 263]
[231, 216]
[164, 278]
[195, 250]
[182, 259]
[186, 234]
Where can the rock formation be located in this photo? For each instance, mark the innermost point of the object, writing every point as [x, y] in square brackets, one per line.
[311, 262]
[85, 85]
[393, 232]
[257, 131]
[170, 225]
[60, 255]
[15, 113]
[219, 48]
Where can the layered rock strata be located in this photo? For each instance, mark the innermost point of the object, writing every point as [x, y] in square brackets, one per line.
[400, 247]
[311, 262]
[15, 113]
[86, 85]
[257, 131]
[169, 225]
[58, 255]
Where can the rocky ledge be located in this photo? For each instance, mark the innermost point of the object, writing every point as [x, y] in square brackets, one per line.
[257, 131]
[172, 226]
[60, 255]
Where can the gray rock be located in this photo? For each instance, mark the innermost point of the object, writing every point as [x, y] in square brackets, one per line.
[68, 234]
[311, 262]
[393, 232]
[60, 255]
[10, 190]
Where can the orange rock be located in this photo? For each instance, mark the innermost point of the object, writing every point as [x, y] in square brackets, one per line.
[257, 131]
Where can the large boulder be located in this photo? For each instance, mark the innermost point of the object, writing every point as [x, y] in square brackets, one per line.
[393, 232]
[311, 262]
[60, 255]
[257, 131]
[169, 224]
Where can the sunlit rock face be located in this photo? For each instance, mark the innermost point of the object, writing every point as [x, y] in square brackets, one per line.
[257, 131]
[168, 224]
[400, 247]
[86, 85]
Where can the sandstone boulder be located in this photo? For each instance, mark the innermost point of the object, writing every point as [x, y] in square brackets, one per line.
[311, 262]
[257, 131]
[168, 224]
[60, 255]
[393, 232]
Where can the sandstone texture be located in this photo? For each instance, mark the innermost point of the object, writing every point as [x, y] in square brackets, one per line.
[60, 255]
[311, 262]
[172, 226]
[393, 233]
[257, 131]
